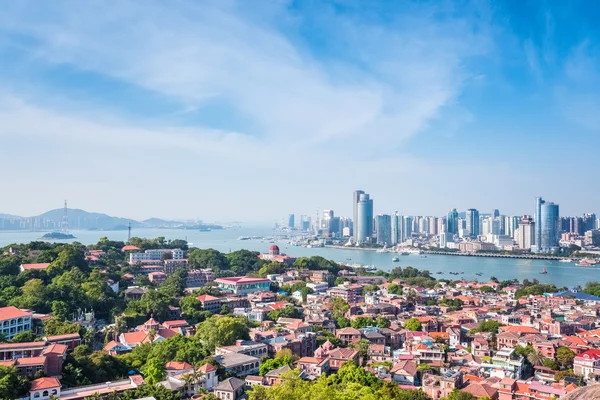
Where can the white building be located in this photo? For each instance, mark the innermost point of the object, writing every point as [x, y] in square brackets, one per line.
[156, 255]
[318, 287]
[13, 321]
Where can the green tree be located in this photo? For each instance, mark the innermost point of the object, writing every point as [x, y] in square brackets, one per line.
[565, 357]
[221, 331]
[245, 261]
[459, 395]
[288, 311]
[60, 310]
[55, 326]
[340, 307]
[24, 337]
[154, 371]
[208, 258]
[413, 325]
[12, 385]
[395, 289]
[362, 346]
[489, 325]
[383, 322]
[362, 322]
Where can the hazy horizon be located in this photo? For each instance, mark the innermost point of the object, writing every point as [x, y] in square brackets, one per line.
[231, 110]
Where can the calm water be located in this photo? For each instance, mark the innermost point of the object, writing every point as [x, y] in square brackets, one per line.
[560, 274]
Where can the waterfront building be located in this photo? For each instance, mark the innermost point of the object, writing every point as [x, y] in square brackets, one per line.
[355, 200]
[592, 238]
[472, 222]
[433, 225]
[365, 218]
[244, 284]
[526, 234]
[396, 227]
[441, 225]
[444, 239]
[452, 222]
[291, 221]
[423, 227]
[546, 220]
[407, 228]
[384, 229]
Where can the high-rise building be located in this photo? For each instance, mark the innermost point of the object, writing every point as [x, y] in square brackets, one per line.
[550, 230]
[472, 218]
[290, 221]
[328, 215]
[443, 239]
[407, 228]
[355, 199]
[547, 227]
[452, 222]
[495, 213]
[423, 225]
[364, 218]
[526, 232]
[441, 225]
[395, 226]
[433, 221]
[384, 229]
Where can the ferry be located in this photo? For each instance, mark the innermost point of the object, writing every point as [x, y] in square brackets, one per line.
[544, 271]
[244, 238]
[395, 259]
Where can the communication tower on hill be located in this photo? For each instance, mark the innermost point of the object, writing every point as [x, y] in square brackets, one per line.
[65, 221]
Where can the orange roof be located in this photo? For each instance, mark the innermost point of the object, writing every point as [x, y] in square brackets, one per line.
[136, 337]
[31, 360]
[518, 329]
[35, 266]
[177, 365]
[7, 363]
[56, 348]
[443, 335]
[130, 247]
[207, 368]
[12, 312]
[175, 323]
[45, 383]
[207, 297]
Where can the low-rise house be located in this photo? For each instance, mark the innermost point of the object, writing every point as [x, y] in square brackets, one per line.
[313, 367]
[348, 335]
[338, 357]
[230, 389]
[242, 285]
[210, 303]
[248, 347]
[587, 364]
[13, 320]
[404, 372]
[239, 364]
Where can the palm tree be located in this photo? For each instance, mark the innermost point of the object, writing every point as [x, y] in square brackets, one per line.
[535, 358]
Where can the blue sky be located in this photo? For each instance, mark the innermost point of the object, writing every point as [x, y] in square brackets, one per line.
[250, 110]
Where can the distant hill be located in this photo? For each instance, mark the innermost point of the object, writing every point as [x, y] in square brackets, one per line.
[84, 220]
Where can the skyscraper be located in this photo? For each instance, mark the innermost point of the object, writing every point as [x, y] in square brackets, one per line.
[549, 221]
[384, 229]
[526, 232]
[472, 218]
[407, 228]
[364, 226]
[395, 236]
[547, 228]
[495, 213]
[291, 221]
[355, 200]
[452, 222]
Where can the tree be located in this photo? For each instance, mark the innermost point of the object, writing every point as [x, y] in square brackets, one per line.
[370, 288]
[362, 322]
[24, 337]
[12, 385]
[550, 363]
[154, 371]
[282, 358]
[362, 346]
[489, 325]
[487, 289]
[535, 358]
[565, 357]
[223, 331]
[288, 311]
[245, 261]
[411, 296]
[55, 326]
[340, 307]
[60, 310]
[395, 289]
[413, 325]
[208, 258]
[459, 395]
[383, 322]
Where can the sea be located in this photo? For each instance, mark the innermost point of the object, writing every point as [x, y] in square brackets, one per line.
[226, 240]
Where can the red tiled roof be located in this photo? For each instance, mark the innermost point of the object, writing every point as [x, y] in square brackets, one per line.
[30, 361]
[207, 368]
[130, 247]
[591, 354]
[240, 280]
[177, 365]
[35, 266]
[207, 297]
[135, 337]
[67, 336]
[175, 323]
[56, 348]
[12, 312]
[45, 383]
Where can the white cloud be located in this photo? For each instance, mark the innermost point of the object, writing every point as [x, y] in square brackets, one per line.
[324, 112]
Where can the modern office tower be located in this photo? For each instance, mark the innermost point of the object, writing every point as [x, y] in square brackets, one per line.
[384, 229]
[462, 223]
[334, 227]
[472, 218]
[589, 222]
[395, 226]
[433, 221]
[364, 217]
[526, 232]
[511, 225]
[537, 216]
[407, 228]
[328, 215]
[290, 223]
[549, 216]
[305, 222]
[486, 228]
[495, 213]
[452, 222]
[355, 199]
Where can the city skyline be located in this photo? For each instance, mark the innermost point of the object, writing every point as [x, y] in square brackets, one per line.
[427, 105]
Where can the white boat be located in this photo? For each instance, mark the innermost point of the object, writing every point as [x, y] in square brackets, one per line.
[395, 259]
[565, 260]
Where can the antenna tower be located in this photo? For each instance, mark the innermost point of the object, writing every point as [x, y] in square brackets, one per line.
[65, 220]
[129, 233]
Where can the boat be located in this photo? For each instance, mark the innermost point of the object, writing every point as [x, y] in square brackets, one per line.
[439, 272]
[244, 238]
[395, 259]
[423, 256]
[587, 262]
[404, 253]
[565, 260]
[544, 271]
[479, 273]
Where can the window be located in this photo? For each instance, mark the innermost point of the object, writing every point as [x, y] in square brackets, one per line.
[45, 394]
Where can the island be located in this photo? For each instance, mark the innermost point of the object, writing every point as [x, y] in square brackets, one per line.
[58, 236]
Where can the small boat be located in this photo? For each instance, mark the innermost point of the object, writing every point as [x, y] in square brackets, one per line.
[395, 259]
[479, 273]
[544, 271]
[423, 256]
[565, 260]
[439, 272]
[404, 253]
[586, 262]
